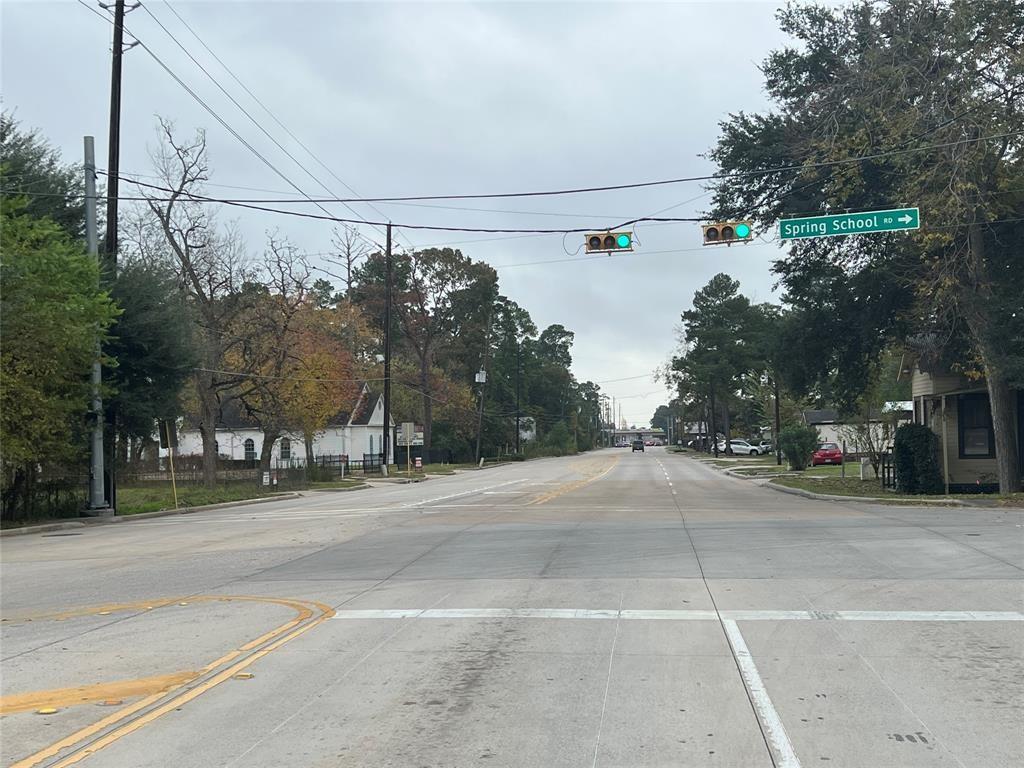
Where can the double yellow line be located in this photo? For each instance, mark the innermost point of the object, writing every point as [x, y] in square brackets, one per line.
[174, 690]
[575, 484]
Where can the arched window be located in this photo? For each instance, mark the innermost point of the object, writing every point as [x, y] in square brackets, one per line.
[286, 449]
[250, 450]
[371, 443]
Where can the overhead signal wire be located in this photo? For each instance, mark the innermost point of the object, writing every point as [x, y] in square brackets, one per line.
[435, 227]
[661, 182]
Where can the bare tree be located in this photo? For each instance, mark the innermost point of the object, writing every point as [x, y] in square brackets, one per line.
[350, 250]
[212, 267]
[268, 326]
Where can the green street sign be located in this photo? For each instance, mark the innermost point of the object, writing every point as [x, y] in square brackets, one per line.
[850, 223]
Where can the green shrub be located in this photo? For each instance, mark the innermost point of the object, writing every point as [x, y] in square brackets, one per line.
[916, 458]
[798, 442]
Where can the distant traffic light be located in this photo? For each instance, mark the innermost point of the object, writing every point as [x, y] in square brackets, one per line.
[597, 242]
[727, 232]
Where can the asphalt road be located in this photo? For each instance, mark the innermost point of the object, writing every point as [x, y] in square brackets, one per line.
[612, 609]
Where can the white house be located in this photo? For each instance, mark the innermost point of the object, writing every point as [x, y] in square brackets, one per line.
[351, 433]
[834, 429]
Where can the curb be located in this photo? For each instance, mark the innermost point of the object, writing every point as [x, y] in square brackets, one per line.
[362, 487]
[943, 502]
[108, 519]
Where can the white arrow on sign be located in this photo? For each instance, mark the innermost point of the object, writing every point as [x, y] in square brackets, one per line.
[906, 218]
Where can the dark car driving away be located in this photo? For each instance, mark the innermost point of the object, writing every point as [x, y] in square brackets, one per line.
[638, 445]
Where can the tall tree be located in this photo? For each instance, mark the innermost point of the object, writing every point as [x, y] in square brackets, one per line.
[441, 299]
[29, 164]
[154, 347]
[930, 95]
[719, 333]
[212, 269]
[51, 312]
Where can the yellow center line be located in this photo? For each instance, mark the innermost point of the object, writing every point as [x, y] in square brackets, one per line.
[83, 694]
[575, 484]
[304, 611]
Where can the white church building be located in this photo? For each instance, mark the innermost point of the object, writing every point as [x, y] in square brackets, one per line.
[351, 433]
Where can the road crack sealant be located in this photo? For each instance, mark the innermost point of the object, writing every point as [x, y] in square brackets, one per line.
[773, 732]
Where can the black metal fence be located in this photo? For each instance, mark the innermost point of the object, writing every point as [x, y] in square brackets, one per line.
[888, 471]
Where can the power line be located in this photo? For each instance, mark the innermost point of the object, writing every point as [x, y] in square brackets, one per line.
[194, 197]
[661, 182]
[219, 119]
[245, 112]
[265, 108]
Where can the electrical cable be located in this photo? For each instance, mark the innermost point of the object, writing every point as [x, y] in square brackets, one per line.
[273, 116]
[221, 121]
[660, 182]
[194, 197]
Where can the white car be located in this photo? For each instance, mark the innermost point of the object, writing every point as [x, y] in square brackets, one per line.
[741, 448]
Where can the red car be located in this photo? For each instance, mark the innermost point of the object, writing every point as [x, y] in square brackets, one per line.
[827, 453]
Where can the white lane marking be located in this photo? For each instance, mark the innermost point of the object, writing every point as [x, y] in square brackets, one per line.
[930, 615]
[503, 493]
[770, 720]
[674, 615]
[462, 493]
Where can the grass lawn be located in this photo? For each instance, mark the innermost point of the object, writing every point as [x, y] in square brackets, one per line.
[134, 501]
[835, 485]
[853, 486]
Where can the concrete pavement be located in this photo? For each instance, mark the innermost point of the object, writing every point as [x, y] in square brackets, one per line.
[611, 609]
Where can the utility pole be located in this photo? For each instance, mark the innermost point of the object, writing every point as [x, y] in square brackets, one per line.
[519, 366]
[388, 279]
[97, 492]
[113, 171]
[714, 425]
[778, 423]
[481, 379]
[114, 139]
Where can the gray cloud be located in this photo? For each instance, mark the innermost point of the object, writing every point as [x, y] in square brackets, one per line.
[412, 98]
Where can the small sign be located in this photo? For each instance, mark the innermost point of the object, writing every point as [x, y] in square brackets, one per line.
[266, 478]
[891, 220]
[407, 433]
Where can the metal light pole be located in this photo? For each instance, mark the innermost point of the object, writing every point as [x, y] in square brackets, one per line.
[97, 493]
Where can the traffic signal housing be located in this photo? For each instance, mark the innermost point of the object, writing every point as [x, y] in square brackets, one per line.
[727, 232]
[600, 242]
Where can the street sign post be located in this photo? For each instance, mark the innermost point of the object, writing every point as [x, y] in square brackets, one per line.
[861, 223]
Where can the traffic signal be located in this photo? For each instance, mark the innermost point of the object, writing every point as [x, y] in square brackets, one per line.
[727, 232]
[597, 242]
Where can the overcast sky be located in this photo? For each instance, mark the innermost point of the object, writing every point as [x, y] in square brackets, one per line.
[445, 98]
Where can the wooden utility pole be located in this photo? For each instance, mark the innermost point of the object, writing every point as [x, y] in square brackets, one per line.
[388, 280]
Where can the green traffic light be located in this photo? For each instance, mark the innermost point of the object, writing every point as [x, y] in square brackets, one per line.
[742, 230]
[623, 241]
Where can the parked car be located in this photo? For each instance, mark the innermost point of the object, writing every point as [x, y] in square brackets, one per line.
[740, 447]
[622, 444]
[765, 446]
[827, 453]
[638, 445]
